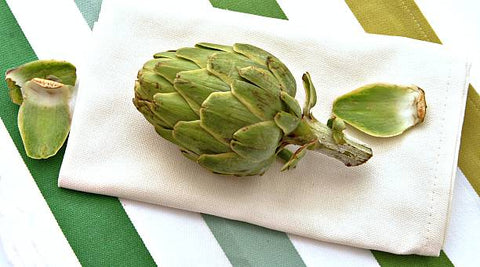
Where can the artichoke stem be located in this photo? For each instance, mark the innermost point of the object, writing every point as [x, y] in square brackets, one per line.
[350, 152]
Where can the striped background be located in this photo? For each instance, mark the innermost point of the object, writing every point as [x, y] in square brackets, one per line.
[94, 230]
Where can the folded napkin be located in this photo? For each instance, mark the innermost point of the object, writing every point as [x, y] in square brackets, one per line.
[397, 202]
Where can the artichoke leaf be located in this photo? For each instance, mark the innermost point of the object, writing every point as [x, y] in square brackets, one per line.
[262, 103]
[224, 48]
[172, 108]
[196, 85]
[278, 69]
[226, 66]
[261, 78]
[147, 109]
[337, 125]
[233, 164]
[196, 54]
[297, 156]
[62, 71]
[382, 110]
[222, 115]
[152, 83]
[166, 54]
[311, 95]
[44, 117]
[292, 104]
[286, 121]
[194, 138]
[284, 76]
[168, 68]
[167, 134]
[257, 142]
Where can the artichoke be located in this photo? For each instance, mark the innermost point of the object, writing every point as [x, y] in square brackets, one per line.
[232, 109]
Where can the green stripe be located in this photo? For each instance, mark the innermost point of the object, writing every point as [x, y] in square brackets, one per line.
[96, 227]
[266, 8]
[250, 245]
[246, 244]
[469, 158]
[90, 10]
[400, 18]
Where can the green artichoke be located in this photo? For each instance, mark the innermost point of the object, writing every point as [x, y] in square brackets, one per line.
[232, 109]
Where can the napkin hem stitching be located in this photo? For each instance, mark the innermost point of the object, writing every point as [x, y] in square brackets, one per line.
[435, 178]
[420, 28]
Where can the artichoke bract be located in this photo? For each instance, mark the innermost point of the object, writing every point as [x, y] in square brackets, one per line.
[43, 90]
[382, 109]
[232, 109]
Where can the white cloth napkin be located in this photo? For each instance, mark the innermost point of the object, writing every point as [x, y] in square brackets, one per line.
[397, 202]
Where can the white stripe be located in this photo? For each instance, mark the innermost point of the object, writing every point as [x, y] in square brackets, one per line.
[462, 243]
[457, 24]
[54, 28]
[327, 16]
[29, 233]
[175, 237]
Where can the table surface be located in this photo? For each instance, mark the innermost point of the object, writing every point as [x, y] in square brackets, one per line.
[41, 224]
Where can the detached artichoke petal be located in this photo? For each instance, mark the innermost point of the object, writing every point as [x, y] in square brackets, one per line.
[63, 72]
[382, 110]
[44, 117]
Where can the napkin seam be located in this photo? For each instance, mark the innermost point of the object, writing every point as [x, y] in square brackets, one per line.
[428, 238]
[455, 164]
[420, 28]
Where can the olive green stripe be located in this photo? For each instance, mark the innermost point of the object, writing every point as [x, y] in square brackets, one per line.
[250, 245]
[469, 158]
[266, 8]
[400, 18]
[96, 227]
